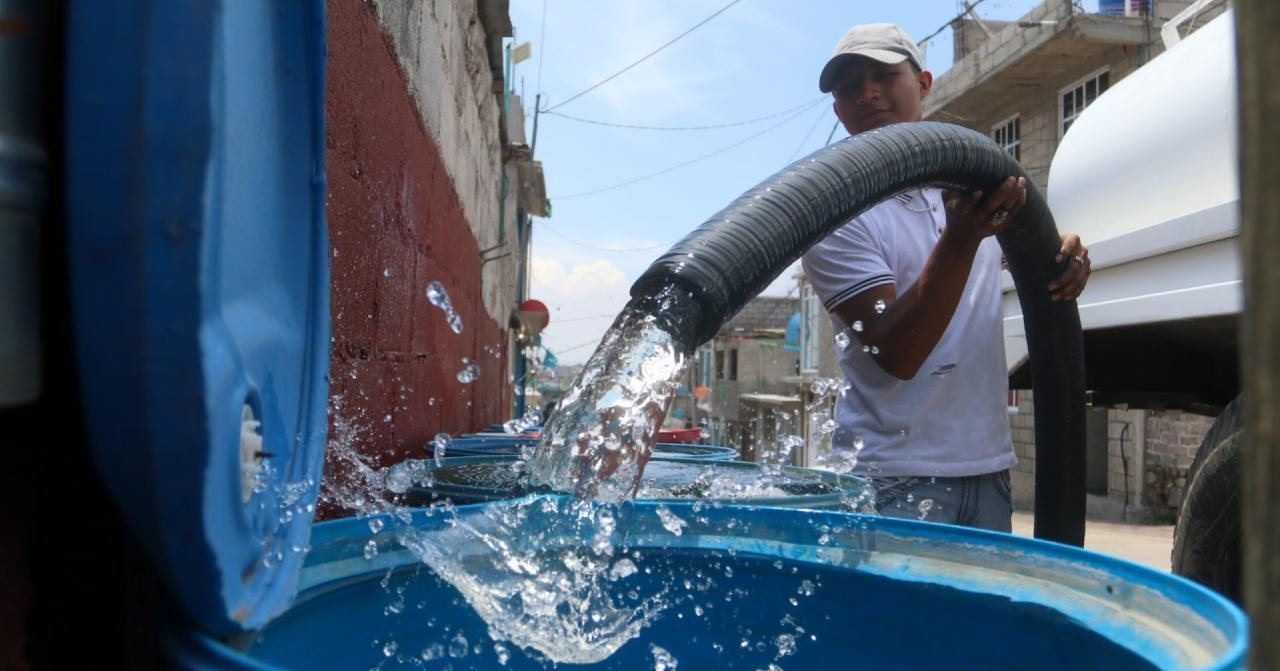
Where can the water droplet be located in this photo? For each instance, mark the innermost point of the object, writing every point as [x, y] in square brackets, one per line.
[390, 648]
[786, 644]
[375, 525]
[470, 371]
[440, 298]
[911, 498]
[875, 350]
[370, 550]
[925, 506]
[866, 348]
[458, 645]
[857, 326]
[842, 341]
[387, 272]
[662, 660]
[439, 447]
[670, 522]
[828, 426]
[622, 568]
[504, 654]
[432, 652]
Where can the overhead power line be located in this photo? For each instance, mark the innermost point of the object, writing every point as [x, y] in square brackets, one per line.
[642, 59]
[593, 341]
[583, 319]
[731, 124]
[541, 46]
[543, 225]
[804, 141]
[970, 8]
[690, 161]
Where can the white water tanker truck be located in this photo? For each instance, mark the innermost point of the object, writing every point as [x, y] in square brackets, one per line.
[1148, 177]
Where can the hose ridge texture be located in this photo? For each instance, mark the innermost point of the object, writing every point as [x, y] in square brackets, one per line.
[731, 258]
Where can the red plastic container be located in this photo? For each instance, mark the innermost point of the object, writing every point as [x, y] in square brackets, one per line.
[679, 435]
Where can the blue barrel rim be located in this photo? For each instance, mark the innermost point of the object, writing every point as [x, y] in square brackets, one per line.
[339, 547]
[155, 243]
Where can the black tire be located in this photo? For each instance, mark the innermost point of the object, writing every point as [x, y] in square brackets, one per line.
[1206, 540]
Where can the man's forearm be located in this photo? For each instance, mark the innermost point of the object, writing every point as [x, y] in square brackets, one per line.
[908, 330]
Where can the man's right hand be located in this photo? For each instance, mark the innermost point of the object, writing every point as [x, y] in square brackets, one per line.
[971, 217]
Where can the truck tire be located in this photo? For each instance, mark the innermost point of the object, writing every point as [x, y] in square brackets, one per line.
[1206, 539]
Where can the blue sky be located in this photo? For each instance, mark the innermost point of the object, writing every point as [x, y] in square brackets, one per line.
[758, 58]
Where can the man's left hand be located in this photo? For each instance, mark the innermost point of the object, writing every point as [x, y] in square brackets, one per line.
[1071, 282]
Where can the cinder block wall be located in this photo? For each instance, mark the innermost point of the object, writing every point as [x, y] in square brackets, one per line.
[1172, 441]
[1148, 454]
[401, 215]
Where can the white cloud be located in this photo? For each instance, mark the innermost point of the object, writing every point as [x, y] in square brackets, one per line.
[583, 298]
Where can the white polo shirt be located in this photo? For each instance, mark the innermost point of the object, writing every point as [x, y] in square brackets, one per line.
[950, 420]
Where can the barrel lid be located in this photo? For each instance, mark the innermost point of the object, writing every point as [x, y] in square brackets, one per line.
[475, 479]
[479, 445]
[199, 260]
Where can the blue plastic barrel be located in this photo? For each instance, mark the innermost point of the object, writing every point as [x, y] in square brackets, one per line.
[750, 587]
[481, 445]
[467, 480]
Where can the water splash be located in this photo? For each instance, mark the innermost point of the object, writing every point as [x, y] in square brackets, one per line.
[531, 419]
[598, 441]
[538, 585]
[438, 297]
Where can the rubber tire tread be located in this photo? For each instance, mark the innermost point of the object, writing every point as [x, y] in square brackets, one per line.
[1207, 537]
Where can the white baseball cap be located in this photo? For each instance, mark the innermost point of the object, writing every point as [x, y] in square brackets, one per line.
[884, 42]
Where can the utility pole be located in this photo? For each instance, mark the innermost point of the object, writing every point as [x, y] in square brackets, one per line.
[1258, 55]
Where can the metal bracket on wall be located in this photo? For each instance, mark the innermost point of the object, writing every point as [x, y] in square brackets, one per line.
[485, 258]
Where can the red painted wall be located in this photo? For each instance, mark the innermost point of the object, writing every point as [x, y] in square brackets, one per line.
[396, 224]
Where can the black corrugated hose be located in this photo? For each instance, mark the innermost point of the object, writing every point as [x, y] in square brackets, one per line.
[709, 275]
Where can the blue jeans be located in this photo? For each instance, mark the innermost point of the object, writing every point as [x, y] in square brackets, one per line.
[982, 501]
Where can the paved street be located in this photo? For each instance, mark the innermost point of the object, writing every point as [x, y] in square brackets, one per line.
[1145, 544]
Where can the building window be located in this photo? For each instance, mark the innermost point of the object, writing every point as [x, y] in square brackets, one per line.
[704, 366]
[719, 364]
[1008, 134]
[810, 312]
[733, 364]
[1079, 96]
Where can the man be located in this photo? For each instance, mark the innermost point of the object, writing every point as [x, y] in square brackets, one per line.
[916, 282]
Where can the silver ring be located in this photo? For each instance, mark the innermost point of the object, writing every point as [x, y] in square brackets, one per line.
[999, 216]
[1078, 259]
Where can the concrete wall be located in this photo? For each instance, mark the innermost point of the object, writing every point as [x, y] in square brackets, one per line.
[1037, 100]
[762, 367]
[1023, 430]
[440, 46]
[413, 173]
